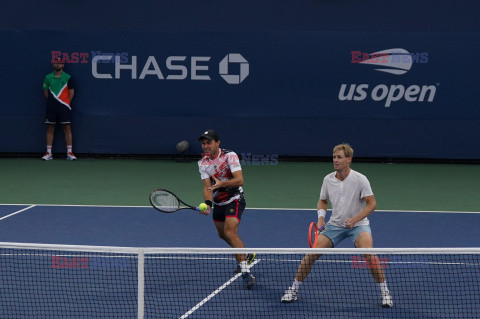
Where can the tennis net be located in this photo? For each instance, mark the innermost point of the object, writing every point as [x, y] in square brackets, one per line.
[64, 281]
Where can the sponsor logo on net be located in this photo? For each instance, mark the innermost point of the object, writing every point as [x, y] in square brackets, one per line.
[394, 261]
[395, 62]
[66, 262]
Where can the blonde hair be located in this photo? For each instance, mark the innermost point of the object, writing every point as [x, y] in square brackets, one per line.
[346, 148]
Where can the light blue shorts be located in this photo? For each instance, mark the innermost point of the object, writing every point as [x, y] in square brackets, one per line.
[337, 234]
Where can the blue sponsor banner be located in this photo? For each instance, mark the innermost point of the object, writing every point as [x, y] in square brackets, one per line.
[389, 94]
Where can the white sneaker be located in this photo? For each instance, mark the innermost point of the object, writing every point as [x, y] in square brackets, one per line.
[71, 157]
[47, 157]
[387, 300]
[290, 295]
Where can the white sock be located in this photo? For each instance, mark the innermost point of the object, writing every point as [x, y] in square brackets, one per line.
[69, 148]
[383, 286]
[244, 267]
[296, 284]
[49, 149]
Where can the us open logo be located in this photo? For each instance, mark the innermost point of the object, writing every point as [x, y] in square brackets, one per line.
[395, 62]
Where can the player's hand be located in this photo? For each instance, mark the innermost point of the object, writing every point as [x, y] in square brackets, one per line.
[218, 184]
[321, 223]
[207, 211]
[350, 223]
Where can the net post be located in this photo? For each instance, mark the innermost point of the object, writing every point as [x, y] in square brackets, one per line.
[141, 284]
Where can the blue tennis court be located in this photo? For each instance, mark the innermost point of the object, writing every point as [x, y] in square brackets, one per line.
[264, 228]
[205, 286]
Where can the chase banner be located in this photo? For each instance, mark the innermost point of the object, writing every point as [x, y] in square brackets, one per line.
[297, 93]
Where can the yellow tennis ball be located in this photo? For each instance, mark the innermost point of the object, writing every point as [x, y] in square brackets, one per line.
[203, 207]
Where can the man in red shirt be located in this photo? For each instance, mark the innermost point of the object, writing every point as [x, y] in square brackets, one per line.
[222, 178]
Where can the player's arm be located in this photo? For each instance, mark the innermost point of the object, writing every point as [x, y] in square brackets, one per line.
[236, 181]
[71, 88]
[321, 205]
[45, 87]
[207, 195]
[369, 208]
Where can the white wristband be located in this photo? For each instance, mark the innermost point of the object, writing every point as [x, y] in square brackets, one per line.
[321, 213]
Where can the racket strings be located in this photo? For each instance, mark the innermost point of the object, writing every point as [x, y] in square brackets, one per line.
[165, 201]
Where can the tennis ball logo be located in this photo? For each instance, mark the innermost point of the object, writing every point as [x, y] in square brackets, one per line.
[234, 58]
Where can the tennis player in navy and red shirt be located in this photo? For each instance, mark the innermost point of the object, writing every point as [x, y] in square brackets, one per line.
[222, 178]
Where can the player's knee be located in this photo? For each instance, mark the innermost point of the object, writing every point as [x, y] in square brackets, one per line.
[230, 234]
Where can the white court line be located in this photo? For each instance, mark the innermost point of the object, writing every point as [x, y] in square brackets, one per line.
[68, 205]
[201, 303]
[377, 210]
[18, 211]
[280, 209]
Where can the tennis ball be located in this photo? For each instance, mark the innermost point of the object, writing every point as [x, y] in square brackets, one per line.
[203, 207]
[182, 146]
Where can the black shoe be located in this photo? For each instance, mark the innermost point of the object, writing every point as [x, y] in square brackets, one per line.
[248, 279]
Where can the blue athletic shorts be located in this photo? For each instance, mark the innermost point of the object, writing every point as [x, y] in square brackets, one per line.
[337, 234]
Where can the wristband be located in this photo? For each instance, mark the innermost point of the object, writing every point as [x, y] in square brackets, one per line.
[321, 213]
[208, 202]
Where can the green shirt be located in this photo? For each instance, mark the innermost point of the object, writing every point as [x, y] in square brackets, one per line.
[58, 87]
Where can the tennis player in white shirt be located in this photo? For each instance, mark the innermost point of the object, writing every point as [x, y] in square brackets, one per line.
[352, 201]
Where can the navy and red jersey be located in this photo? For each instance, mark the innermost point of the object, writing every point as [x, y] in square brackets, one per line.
[222, 167]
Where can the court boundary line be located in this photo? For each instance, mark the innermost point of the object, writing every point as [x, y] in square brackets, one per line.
[253, 208]
[17, 212]
[215, 292]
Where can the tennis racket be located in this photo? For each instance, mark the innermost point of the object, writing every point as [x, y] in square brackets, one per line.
[167, 202]
[313, 232]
